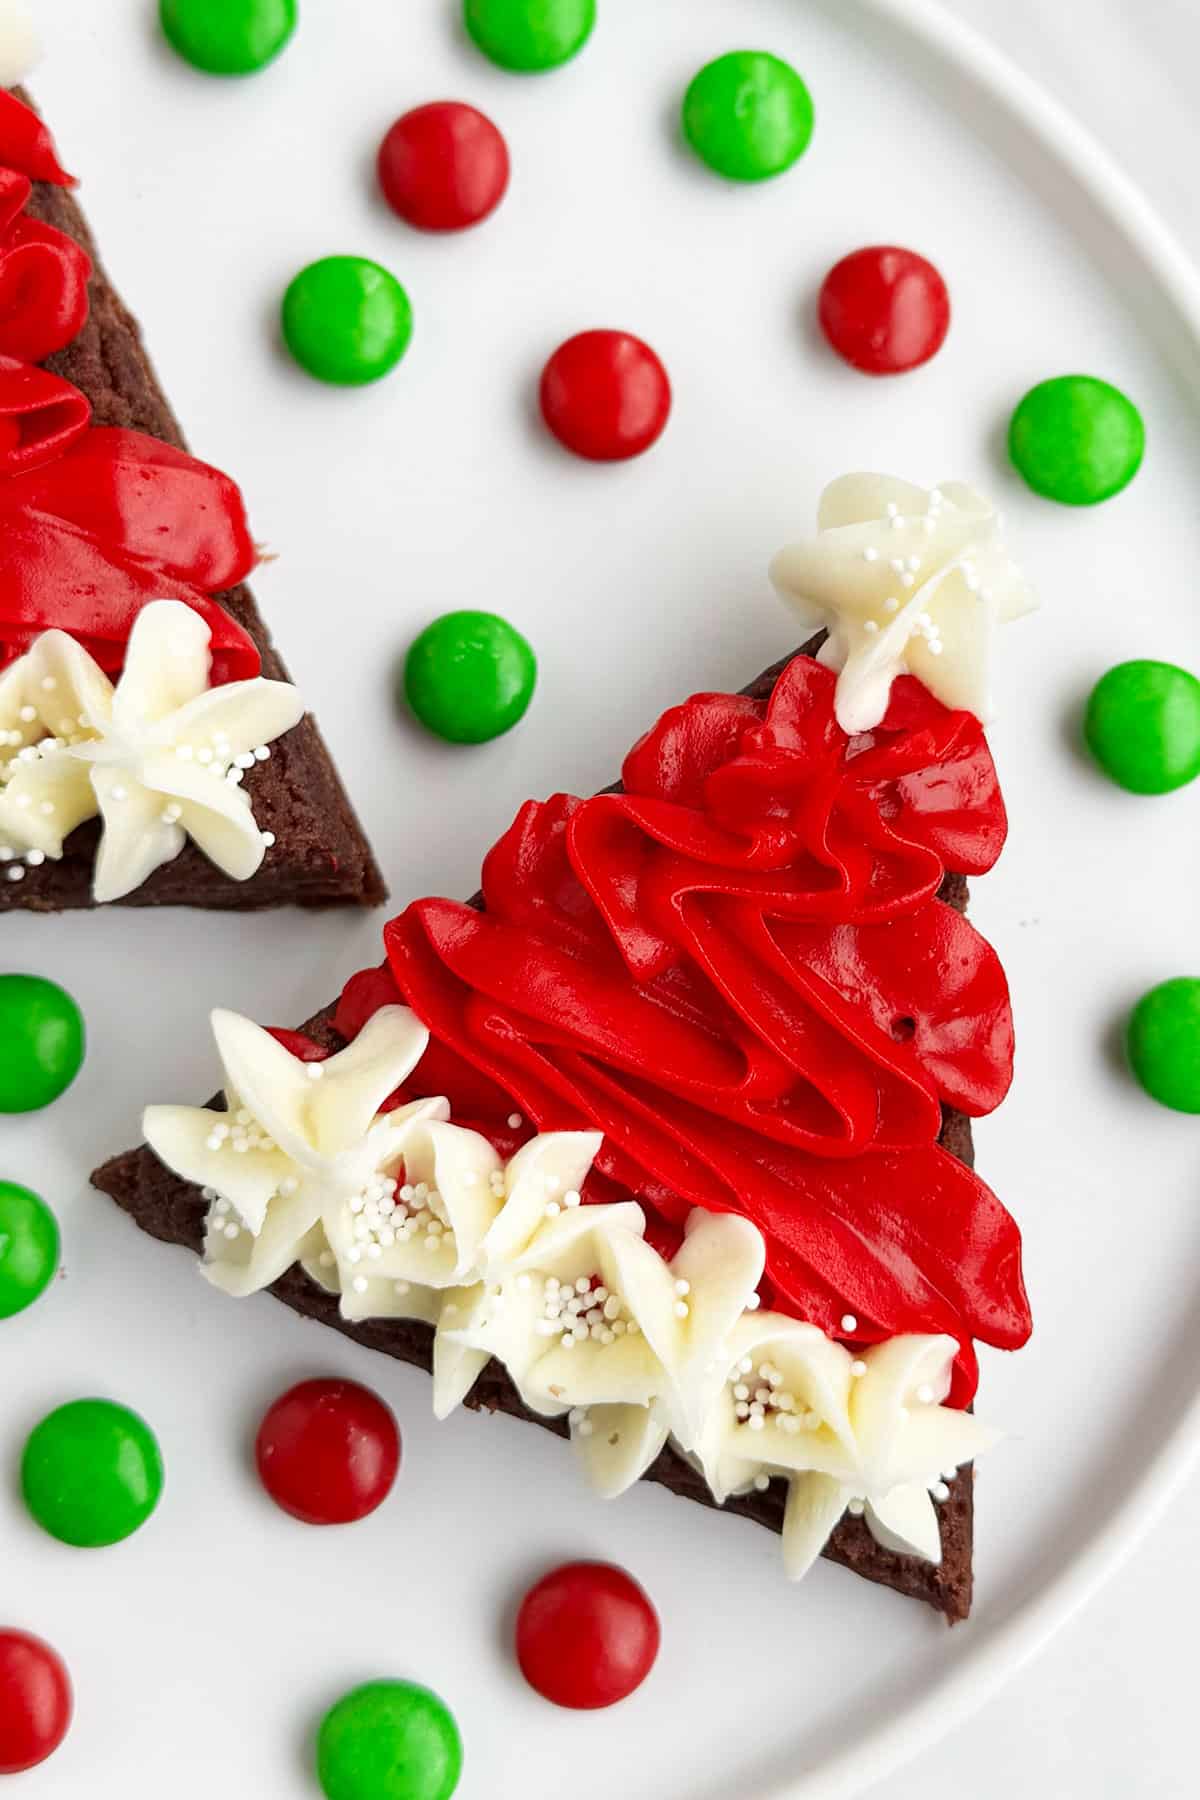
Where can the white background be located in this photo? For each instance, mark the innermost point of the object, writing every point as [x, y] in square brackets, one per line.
[435, 490]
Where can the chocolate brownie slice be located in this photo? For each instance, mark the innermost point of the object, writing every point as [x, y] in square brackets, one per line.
[320, 856]
[174, 1210]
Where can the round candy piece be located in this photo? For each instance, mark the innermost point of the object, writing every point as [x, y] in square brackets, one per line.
[1077, 439]
[884, 309]
[587, 1635]
[228, 37]
[35, 1701]
[528, 36]
[1142, 725]
[92, 1473]
[346, 320]
[389, 1740]
[469, 676]
[41, 1042]
[1163, 1041]
[328, 1451]
[605, 395]
[443, 167]
[748, 115]
[28, 1248]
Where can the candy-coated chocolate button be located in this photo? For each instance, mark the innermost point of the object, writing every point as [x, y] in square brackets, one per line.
[228, 37]
[1077, 439]
[748, 115]
[346, 320]
[469, 676]
[35, 1701]
[884, 309]
[92, 1473]
[1142, 725]
[41, 1042]
[443, 167]
[389, 1740]
[28, 1248]
[1163, 1040]
[528, 36]
[328, 1451]
[587, 1635]
[605, 395]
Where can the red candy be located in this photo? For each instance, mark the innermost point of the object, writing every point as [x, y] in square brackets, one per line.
[443, 167]
[605, 395]
[328, 1452]
[587, 1635]
[35, 1702]
[885, 310]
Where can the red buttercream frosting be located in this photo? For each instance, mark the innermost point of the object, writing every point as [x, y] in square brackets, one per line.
[96, 521]
[43, 278]
[739, 971]
[26, 145]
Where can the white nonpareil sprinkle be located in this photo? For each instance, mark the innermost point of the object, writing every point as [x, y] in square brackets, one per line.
[515, 1121]
[858, 1369]
[849, 1323]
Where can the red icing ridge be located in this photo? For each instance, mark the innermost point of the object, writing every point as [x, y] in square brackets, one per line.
[739, 971]
[43, 278]
[95, 522]
[26, 145]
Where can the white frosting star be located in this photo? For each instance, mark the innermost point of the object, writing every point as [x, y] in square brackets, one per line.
[298, 1146]
[862, 1432]
[904, 579]
[589, 1320]
[160, 757]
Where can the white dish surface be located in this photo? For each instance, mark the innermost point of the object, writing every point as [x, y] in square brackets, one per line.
[205, 1649]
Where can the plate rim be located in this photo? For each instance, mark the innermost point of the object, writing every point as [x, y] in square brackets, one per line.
[1020, 100]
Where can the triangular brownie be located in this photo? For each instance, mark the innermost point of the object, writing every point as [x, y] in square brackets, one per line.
[921, 784]
[93, 485]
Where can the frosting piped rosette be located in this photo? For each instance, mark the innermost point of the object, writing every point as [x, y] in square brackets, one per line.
[405, 1214]
[160, 757]
[905, 580]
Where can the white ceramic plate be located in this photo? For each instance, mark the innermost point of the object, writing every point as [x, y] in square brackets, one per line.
[205, 1649]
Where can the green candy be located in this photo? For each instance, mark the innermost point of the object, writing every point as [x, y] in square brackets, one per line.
[92, 1473]
[1077, 439]
[346, 320]
[28, 1248]
[469, 676]
[528, 36]
[748, 115]
[389, 1740]
[41, 1042]
[1142, 725]
[228, 37]
[1163, 1040]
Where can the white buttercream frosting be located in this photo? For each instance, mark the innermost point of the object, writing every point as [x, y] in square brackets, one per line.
[905, 580]
[405, 1215]
[160, 757]
[19, 46]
